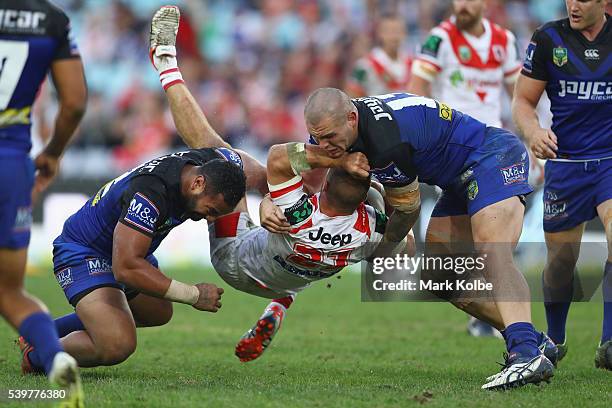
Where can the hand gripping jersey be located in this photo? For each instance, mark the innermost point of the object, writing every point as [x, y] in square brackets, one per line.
[317, 247]
[471, 71]
[33, 34]
[147, 199]
[405, 136]
[377, 73]
[578, 75]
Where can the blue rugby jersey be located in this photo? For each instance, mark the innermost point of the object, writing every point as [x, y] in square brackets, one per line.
[578, 75]
[147, 199]
[33, 34]
[405, 136]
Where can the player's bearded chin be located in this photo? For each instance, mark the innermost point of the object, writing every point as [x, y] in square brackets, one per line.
[190, 206]
[465, 20]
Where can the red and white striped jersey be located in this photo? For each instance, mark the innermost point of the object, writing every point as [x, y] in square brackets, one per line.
[377, 74]
[318, 246]
[469, 72]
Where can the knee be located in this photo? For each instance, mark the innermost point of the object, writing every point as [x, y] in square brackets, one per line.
[116, 352]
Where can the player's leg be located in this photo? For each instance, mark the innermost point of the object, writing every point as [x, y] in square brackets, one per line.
[496, 229]
[109, 337]
[255, 341]
[23, 311]
[603, 357]
[563, 249]
[449, 232]
[38, 336]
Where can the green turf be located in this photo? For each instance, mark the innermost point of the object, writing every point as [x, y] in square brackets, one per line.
[333, 351]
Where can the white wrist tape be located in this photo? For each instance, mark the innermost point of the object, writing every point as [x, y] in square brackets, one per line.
[182, 293]
[164, 60]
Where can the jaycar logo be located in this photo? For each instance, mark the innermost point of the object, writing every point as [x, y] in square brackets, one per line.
[586, 90]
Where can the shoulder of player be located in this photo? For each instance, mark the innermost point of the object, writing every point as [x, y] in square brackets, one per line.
[441, 31]
[149, 182]
[543, 31]
[55, 12]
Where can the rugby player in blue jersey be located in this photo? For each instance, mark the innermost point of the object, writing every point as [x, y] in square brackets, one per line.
[103, 259]
[35, 39]
[482, 171]
[571, 60]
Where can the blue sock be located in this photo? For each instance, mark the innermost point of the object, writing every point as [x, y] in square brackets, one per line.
[68, 324]
[557, 303]
[39, 330]
[522, 338]
[606, 288]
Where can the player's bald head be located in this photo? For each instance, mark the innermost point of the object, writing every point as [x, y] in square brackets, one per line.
[344, 191]
[327, 103]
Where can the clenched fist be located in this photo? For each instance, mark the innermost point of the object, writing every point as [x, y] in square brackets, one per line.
[210, 297]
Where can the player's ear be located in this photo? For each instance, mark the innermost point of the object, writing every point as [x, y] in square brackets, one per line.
[352, 119]
[198, 184]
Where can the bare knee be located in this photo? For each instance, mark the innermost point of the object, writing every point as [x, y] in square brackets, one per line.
[115, 352]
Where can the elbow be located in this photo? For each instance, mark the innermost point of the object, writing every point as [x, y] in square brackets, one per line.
[74, 110]
[277, 157]
[120, 273]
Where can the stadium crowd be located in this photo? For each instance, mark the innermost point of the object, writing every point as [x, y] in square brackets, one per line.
[250, 63]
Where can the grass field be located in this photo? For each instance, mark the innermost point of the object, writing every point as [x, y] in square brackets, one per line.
[333, 351]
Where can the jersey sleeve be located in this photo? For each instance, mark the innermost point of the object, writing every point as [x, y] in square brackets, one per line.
[144, 205]
[534, 65]
[512, 64]
[429, 61]
[293, 200]
[67, 47]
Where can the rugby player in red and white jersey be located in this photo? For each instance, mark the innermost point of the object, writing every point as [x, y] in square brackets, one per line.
[466, 61]
[386, 68]
[328, 230]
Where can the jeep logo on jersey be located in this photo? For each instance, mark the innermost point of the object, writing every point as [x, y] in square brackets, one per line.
[592, 54]
[98, 265]
[142, 213]
[64, 277]
[327, 238]
[390, 174]
[21, 19]
[376, 106]
[514, 173]
[586, 90]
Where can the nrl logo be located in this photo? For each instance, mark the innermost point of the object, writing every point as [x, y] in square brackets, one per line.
[560, 56]
[464, 53]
